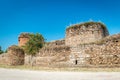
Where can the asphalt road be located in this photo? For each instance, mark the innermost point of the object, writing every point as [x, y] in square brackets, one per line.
[15, 74]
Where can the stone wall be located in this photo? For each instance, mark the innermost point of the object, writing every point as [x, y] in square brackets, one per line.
[85, 33]
[104, 53]
[50, 56]
[85, 45]
[101, 53]
[56, 43]
[4, 58]
[15, 55]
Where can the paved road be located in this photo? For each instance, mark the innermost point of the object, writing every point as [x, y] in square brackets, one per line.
[14, 74]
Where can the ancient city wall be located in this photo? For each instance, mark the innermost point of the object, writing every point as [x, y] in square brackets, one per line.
[15, 55]
[107, 54]
[85, 33]
[85, 45]
[50, 56]
[104, 53]
[4, 58]
[56, 43]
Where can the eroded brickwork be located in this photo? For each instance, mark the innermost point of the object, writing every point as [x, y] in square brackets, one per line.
[15, 55]
[82, 33]
[104, 53]
[23, 39]
[56, 43]
[50, 56]
[4, 58]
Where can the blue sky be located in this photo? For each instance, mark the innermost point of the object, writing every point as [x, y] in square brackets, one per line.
[51, 17]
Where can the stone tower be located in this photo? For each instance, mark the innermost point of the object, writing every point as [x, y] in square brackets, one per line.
[23, 38]
[15, 55]
[85, 33]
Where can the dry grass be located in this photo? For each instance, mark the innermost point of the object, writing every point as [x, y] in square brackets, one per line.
[74, 69]
[87, 24]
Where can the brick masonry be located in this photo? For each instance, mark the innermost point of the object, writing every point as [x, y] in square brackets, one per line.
[82, 33]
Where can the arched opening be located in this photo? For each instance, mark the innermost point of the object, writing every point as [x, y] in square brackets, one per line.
[116, 41]
[76, 62]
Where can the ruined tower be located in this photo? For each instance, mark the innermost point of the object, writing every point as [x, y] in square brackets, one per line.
[15, 55]
[85, 33]
[23, 38]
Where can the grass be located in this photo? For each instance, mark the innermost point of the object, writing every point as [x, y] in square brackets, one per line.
[87, 24]
[74, 69]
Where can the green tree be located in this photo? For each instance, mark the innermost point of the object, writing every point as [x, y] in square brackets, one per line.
[1, 51]
[32, 47]
[6, 51]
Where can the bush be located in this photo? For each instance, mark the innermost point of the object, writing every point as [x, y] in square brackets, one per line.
[1, 51]
[35, 42]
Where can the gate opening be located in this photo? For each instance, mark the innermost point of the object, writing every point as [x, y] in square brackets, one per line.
[76, 62]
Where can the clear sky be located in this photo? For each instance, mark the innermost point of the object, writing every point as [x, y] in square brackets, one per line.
[51, 17]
